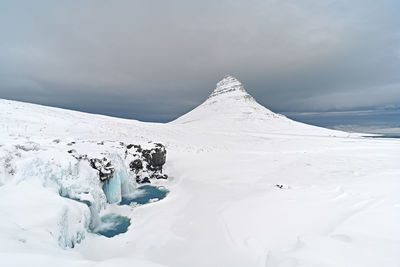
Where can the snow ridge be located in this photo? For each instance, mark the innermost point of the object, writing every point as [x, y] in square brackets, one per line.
[229, 89]
[228, 84]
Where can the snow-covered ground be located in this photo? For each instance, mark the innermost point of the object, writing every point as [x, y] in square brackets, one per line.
[248, 187]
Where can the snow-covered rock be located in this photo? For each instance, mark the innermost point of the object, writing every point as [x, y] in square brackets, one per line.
[146, 162]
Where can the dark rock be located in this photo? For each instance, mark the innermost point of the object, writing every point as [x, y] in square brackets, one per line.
[144, 180]
[159, 176]
[76, 155]
[155, 157]
[136, 165]
[282, 186]
[138, 148]
[104, 166]
[147, 163]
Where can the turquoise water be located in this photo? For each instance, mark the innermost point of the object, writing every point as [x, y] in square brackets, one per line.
[145, 194]
[112, 225]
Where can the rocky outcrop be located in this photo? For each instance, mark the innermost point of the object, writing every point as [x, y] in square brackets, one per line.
[155, 157]
[146, 163]
[104, 166]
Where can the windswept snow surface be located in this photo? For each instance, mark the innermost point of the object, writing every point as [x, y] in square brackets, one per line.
[247, 187]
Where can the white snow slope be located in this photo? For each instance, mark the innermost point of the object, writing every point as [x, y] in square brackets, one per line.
[337, 203]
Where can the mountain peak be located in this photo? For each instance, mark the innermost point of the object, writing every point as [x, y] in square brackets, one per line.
[231, 108]
[228, 103]
[226, 85]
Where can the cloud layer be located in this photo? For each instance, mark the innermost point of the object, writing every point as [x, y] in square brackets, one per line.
[154, 60]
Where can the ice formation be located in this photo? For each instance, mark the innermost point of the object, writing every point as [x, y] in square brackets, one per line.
[85, 183]
[121, 184]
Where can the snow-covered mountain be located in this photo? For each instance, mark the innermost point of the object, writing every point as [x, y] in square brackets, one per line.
[229, 102]
[231, 108]
[245, 187]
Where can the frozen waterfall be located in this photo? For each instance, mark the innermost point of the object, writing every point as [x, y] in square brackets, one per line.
[122, 184]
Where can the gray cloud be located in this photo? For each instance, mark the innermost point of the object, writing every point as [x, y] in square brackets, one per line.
[154, 60]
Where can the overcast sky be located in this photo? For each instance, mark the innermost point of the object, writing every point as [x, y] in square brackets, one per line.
[155, 60]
